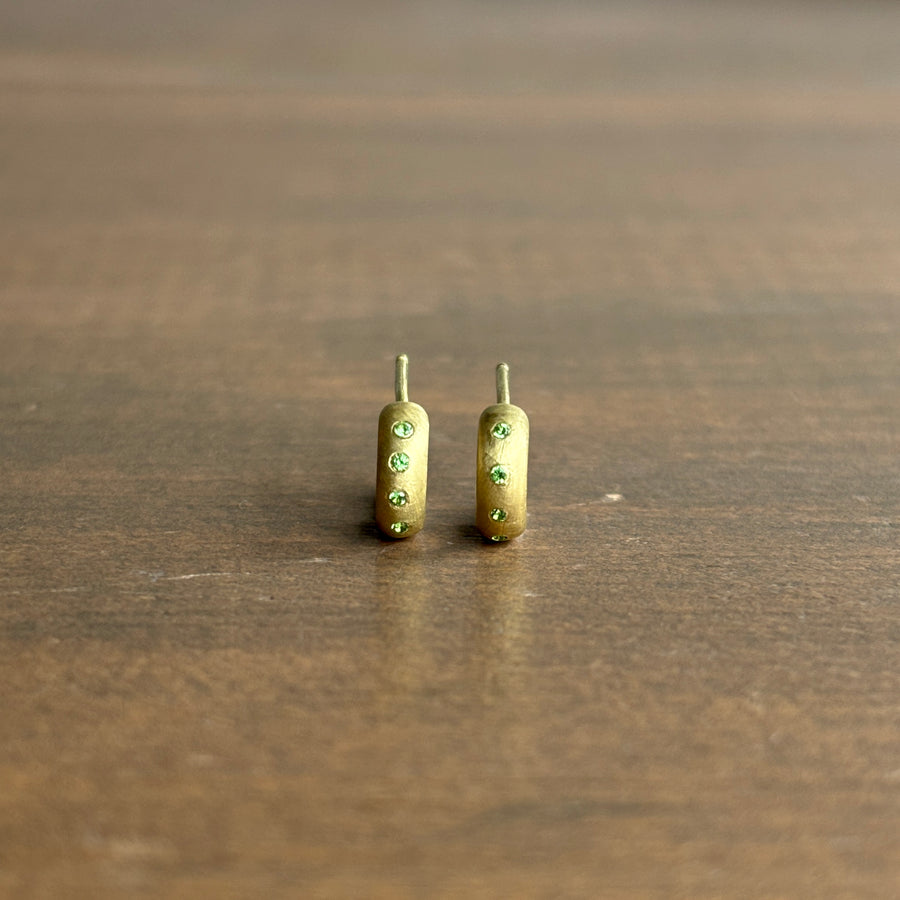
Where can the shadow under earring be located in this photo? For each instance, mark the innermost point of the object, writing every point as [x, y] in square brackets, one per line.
[402, 477]
[501, 485]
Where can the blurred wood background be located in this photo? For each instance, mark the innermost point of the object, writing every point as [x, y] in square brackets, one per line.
[680, 225]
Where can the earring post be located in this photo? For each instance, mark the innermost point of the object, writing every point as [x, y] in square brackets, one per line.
[401, 378]
[503, 383]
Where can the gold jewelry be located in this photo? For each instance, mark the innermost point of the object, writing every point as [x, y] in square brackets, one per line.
[402, 477]
[502, 475]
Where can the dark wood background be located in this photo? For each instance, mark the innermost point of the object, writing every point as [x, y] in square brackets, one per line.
[679, 224]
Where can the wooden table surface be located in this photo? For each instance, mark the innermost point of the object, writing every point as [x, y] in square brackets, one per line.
[679, 224]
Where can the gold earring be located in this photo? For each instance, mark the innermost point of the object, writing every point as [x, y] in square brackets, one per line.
[502, 475]
[402, 477]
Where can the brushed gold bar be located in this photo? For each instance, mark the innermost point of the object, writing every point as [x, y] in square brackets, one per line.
[402, 476]
[501, 483]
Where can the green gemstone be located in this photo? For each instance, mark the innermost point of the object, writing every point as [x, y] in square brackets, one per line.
[397, 498]
[498, 515]
[399, 461]
[399, 527]
[501, 430]
[499, 538]
[403, 429]
[500, 475]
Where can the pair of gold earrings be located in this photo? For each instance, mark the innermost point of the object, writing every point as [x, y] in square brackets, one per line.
[501, 483]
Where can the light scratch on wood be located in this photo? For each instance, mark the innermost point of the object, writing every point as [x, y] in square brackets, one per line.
[204, 575]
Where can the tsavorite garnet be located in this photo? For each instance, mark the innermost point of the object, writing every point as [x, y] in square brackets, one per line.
[498, 515]
[399, 462]
[499, 537]
[399, 527]
[403, 429]
[501, 430]
[500, 475]
[397, 498]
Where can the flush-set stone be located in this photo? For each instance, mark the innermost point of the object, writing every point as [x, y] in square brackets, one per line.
[399, 462]
[403, 429]
[499, 475]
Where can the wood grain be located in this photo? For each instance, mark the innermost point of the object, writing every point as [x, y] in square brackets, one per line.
[678, 224]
